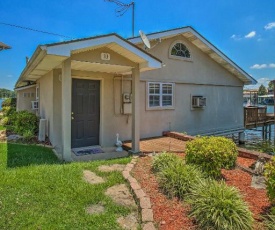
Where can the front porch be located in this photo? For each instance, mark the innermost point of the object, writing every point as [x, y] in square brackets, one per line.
[81, 72]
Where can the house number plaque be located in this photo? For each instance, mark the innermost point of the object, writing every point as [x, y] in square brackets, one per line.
[105, 56]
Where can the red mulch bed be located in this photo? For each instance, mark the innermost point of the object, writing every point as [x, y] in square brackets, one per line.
[171, 214]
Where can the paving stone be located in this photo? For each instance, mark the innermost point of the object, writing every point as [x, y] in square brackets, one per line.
[111, 168]
[147, 215]
[92, 178]
[129, 222]
[125, 174]
[130, 165]
[95, 209]
[139, 193]
[132, 179]
[135, 186]
[133, 161]
[149, 226]
[121, 195]
[145, 202]
[129, 169]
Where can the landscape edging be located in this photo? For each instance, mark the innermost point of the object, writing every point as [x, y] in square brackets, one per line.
[147, 217]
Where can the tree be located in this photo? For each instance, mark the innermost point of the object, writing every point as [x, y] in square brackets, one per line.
[270, 85]
[262, 90]
[4, 93]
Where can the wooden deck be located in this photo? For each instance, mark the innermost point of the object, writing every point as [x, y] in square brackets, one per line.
[257, 117]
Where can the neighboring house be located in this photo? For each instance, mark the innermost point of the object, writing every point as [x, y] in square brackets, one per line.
[4, 46]
[90, 89]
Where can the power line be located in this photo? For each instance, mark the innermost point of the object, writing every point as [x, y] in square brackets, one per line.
[34, 30]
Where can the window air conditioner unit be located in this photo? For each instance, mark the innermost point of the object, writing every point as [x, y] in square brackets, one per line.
[35, 105]
[198, 101]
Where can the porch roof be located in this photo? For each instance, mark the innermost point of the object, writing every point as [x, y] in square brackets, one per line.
[51, 56]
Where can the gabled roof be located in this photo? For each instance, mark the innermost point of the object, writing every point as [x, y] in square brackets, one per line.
[50, 56]
[205, 46]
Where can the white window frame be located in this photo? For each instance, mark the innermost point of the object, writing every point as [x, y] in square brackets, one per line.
[161, 107]
[179, 57]
[37, 93]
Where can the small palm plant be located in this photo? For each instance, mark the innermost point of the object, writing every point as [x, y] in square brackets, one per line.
[217, 206]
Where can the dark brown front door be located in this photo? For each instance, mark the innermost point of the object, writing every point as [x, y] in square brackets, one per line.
[85, 112]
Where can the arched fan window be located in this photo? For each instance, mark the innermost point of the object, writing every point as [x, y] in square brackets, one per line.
[178, 49]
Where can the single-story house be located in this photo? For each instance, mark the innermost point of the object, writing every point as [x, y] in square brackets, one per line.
[90, 89]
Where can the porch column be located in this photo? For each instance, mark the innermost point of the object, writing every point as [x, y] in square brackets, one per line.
[66, 109]
[135, 110]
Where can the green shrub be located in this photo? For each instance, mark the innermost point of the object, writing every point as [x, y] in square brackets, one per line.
[5, 121]
[165, 160]
[177, 179]
[26, 122]
[215, 205]
[28, 135]
[269, 222]
[9, 102]
[270, 179]
[211, 154]
[8, 110]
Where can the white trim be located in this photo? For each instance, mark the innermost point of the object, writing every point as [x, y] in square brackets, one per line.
[148, 107]
[37, 93]
[24, 87]
[67, 48]
[175, 32]
[101, 81]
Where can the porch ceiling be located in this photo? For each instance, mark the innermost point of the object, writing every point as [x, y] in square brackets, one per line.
[100, 67]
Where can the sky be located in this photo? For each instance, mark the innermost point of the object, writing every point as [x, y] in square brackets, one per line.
[243, 30]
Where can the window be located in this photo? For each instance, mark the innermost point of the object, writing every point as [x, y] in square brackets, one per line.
[160, 95]
[179, 50]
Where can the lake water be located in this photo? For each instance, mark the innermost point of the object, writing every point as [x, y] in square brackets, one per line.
[254, 139]
[1, 103]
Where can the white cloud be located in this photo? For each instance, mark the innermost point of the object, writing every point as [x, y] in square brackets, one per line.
[263, 66]
[251, 34]
[236, 37]
[261, 81]
[270, 25]
[257, 66]
[9, 75]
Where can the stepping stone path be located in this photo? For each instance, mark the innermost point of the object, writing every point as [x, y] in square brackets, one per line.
[121, 195]
[111, 168]
[129, 222]
[95, 209]
[92, 178]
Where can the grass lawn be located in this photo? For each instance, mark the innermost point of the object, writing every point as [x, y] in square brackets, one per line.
[2, 127]
[37, 191]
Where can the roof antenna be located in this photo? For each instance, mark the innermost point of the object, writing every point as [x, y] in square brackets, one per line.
[121, 10]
